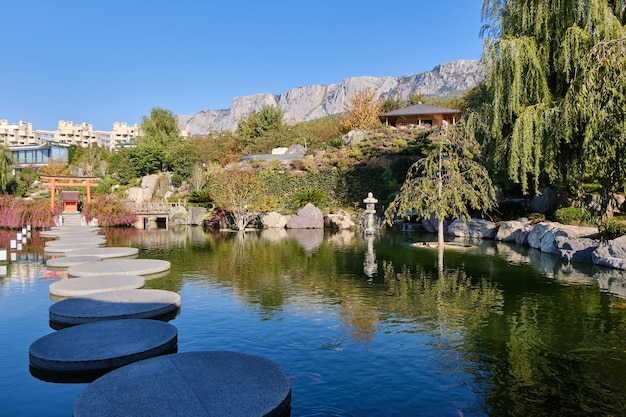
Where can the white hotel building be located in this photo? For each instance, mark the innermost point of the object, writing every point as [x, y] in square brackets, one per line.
[23, 134]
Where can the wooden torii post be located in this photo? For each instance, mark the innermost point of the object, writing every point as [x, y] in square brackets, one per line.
[57, 181]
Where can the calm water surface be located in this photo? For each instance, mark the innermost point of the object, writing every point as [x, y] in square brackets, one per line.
[364, 327]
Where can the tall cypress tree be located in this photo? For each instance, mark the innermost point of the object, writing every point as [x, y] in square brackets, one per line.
[556, 74]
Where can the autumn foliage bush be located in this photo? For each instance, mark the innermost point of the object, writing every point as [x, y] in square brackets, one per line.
[16, 213]
[110, 211]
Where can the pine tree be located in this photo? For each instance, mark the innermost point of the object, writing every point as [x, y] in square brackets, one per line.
[447, 183]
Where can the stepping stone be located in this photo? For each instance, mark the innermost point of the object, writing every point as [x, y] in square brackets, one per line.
[105, 253]
[62, 248]
[102, 346]
[113, 305]
[74, 240]
[94, 284]
[120, 266]
[67, 261]
[191, 384]
[63, 233]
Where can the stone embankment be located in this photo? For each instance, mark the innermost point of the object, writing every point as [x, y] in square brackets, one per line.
[570, 243]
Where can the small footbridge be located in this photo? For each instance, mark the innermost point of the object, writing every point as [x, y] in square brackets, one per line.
[151, 213]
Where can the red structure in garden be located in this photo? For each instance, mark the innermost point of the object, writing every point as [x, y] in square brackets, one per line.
[54, 182]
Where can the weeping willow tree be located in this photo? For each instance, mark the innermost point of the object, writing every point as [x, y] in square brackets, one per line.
[555, 73]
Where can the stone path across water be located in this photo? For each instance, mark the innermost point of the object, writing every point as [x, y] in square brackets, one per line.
[191, 384]
[94, 284]
[102, 346]
[109, 326]
[111, 305]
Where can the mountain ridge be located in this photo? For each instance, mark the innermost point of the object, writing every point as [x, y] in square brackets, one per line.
[302, 104]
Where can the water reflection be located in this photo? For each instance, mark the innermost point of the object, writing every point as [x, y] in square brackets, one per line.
[370, 266]
[498, 334]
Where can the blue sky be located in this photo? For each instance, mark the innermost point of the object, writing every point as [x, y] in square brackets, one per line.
[105, 61]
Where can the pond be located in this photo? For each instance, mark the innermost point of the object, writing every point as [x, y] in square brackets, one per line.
[364, 326]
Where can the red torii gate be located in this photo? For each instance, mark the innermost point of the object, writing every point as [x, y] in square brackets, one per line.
[55, 181]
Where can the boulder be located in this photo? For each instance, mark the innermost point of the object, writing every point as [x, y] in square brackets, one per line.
[543, 235]
[340, 220]
[576, 249]
[177, 216]
[537, 232]
[474, 228]
[431, 224]
[611, 253]
[548, 244]
[196, 215]
[295, 150]
[279, 151]
[352, 137]
[308, 217]
[514, 231]
[548, 200]
[139, 195]
[149, 181]
[273, 220]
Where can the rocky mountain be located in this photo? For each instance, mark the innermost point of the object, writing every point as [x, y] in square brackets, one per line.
[312, 102]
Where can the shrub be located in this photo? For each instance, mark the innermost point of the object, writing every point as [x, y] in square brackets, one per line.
[572, 215]
[335, 142]
[201, 198]
[611, 229]
[314, 196]
[536, 217]
[16, 213]
[110, 211]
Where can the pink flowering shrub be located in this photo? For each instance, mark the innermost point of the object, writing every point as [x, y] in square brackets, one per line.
[16, 212]
[110, 211]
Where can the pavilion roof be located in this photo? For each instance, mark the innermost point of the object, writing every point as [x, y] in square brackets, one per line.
[421, 109]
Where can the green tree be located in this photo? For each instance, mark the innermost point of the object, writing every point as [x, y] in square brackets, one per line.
[544, 58]
[160, 128]
[147, 158]
[241, 192]
[259, 123]
[447, 183]
[6, 168]
[180, 158]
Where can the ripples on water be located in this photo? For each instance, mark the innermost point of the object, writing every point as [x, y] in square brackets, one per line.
[492, 337]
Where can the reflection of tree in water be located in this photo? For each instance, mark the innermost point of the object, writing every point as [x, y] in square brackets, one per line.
[449, 304]
[550, 356]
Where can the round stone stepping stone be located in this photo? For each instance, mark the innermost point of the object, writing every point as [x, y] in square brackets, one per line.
[74, 240]
[67, 261]
[93, 284]
[105, 253]
[193, 384]
[113, 305]
[62, 248]
[64, 233]
[102, 346]
[120, 266]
